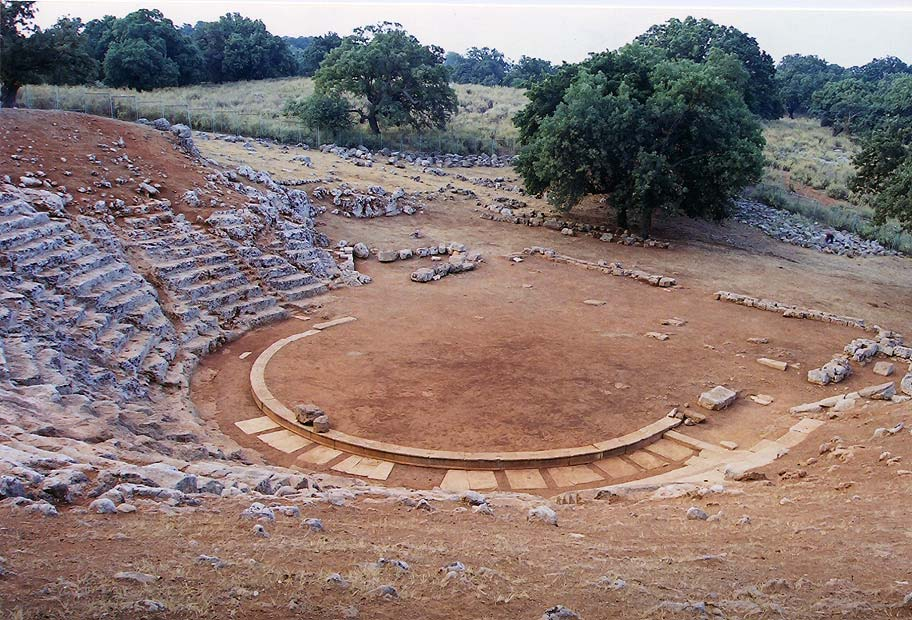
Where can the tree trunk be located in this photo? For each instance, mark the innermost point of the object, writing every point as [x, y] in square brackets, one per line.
[622, 217]
[9, 95]
[646, 223]
[372, 121]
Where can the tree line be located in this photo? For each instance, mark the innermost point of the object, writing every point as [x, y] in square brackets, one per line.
[145, 50]
[671, 121]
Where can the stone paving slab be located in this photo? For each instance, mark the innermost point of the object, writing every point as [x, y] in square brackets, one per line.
[525, 479]
[671, 450]
[573, 475]
[645, 459]
[284, 441]
[382, 471]
[257, 425]
[481, 480]
[455, 480]
[806, 425]
[348, 465]
[616, 467]
[319, 455]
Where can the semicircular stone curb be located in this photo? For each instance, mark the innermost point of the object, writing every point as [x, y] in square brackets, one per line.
[283, 415]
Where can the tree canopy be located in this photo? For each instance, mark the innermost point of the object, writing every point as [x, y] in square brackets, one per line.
[391, 77]
[147, 52]
[58, 55]
[649, 131]
[694, 39]
[799, 77]
[480, 65]
[238, 48]
[309, 52]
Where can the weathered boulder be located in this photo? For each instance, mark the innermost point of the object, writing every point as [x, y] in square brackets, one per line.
[717, 398]
[423, 275]
[361, 251]
[321, 424]
[307, 413]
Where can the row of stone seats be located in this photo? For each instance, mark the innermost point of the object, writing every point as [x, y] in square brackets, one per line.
[109, 308]
[201, 272]
[289, 282]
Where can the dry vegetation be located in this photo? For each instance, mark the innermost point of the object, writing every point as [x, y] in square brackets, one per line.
[255, 108]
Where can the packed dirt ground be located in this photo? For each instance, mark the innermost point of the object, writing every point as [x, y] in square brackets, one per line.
[505, 357]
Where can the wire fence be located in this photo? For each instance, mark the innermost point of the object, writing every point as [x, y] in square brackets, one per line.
[260, 124]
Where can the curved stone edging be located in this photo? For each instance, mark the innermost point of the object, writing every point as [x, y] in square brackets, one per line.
[446, 459]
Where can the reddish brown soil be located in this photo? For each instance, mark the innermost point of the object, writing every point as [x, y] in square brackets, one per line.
[478, 362]
[43, 139]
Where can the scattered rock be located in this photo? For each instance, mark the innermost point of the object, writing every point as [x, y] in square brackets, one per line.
[559, 612]
[544, 514]
[135, 577]
[774, 364]
[884, 369]
[717, 398]
[696, 514]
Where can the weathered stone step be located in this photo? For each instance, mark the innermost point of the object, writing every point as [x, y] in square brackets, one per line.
[19, 221]
[34, 248]
[212, 287]
[184, 279]
[135, 351]
[216, 302]
[263, 317]
[22, 236]
[190, 262]
[250, 304]
[201, 345]
[10, 206]
[126, 302]
[50, 260]
[304, 292]
[84, 283]
[293, 281]
[115, 338]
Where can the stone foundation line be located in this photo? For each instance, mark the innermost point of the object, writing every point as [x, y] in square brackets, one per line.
[614, 269]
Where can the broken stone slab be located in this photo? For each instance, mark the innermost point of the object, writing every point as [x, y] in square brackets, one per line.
[774, 364]
[729, 445]
[884, 369]
[806, 408]
[595, 302]
[762, 399]
[884, 391]
[387, 256]
[657, 335]
[693, 417]
[758, 340]
[717, 398]
[674, 322]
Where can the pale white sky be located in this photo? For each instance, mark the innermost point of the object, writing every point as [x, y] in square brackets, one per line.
[842, 31]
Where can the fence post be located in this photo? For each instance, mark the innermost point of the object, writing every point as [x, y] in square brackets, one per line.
[189, 117]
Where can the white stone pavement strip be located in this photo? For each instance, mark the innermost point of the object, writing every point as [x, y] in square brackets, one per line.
[525, 479]
[319, 455]
[364, 466]
[463, 480]
[256, 425]
[334, 322]
[284, 441]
